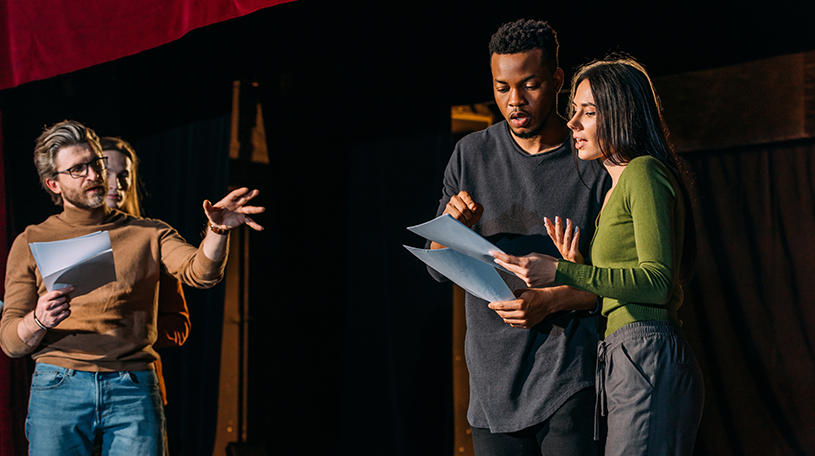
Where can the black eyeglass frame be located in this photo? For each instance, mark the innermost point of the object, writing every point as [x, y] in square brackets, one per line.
[84, 173]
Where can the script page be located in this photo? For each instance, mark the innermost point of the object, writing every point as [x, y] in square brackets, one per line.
[466, 260]
[85, 262]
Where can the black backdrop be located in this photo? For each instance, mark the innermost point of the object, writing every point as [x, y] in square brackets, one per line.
[350, 349]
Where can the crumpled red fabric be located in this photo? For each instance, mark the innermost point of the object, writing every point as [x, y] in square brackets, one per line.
[44, 38]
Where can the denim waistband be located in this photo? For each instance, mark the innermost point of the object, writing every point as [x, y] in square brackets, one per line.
[72, 372]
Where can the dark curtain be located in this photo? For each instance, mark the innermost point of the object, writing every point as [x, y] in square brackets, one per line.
[182, 166]
[748, 312]
[349, 338]
[396, 378]
[747, 133]
[13, 372]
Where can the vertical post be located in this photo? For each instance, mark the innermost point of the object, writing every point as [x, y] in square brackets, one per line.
[463, 441]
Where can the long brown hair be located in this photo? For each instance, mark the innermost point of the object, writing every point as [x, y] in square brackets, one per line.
[630, 124]
[133, 195]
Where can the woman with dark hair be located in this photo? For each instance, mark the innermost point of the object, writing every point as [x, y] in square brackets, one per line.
[649, 384]
[173, 321]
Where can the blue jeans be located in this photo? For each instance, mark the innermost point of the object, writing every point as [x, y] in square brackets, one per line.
[68, 409]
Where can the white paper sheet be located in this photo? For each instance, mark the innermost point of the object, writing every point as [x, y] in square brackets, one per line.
[466, 260]
[84, 262]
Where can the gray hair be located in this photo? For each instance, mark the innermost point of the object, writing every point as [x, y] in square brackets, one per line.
[55, 138]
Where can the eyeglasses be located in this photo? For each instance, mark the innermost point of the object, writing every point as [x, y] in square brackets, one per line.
[79, 171]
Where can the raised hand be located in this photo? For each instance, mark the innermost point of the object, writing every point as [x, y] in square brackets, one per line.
[232, 211]
[536, 269]
[566, 239]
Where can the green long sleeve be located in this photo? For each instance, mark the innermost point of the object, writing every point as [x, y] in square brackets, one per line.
[637, 248]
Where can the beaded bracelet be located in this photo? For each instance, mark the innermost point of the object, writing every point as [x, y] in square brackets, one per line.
[217, 230]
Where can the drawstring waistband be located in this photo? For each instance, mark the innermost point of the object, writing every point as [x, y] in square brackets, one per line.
[634, 330]
[600, 388]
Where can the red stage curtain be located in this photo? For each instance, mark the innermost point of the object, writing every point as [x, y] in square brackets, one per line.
[45, 38]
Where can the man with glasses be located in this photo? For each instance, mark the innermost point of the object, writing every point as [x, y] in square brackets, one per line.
[94, 375]
[81, 171]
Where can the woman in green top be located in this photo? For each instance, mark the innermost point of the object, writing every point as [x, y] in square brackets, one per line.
[648, 382]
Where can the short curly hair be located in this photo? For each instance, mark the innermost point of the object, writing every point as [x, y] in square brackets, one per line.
[525, 35]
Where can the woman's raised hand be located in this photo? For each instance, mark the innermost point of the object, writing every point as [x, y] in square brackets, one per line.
[566, 239]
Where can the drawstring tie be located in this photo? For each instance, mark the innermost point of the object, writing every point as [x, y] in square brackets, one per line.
[600, 388]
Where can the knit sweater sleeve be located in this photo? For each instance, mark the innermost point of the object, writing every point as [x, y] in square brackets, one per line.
[187, 263]
[20, 297]
[645, 273]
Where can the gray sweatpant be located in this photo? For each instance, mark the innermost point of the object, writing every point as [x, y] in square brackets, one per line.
[650, 388]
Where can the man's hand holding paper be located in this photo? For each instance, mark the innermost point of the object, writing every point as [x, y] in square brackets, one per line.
[84, 263]
[463, 208]
[53, 307]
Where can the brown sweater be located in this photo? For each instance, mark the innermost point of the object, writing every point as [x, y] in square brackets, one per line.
[113, 327]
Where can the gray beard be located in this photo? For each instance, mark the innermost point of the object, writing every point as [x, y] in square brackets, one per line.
[92, 203]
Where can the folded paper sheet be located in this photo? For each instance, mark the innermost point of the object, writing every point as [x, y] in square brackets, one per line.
[85, 262]
[466, 260]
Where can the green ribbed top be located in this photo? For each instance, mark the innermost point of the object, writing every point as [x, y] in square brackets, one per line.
[637, 248]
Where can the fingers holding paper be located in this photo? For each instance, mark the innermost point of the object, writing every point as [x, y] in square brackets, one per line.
[536, 269]
[54, 307]
[463, 208]
[535, 304]
[566, 238]
[525, 312]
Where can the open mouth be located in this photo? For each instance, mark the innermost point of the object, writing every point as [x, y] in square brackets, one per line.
[519, 119]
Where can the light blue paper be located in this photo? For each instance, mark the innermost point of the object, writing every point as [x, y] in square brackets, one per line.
[466, 260]
[453, 234]
[476, 277]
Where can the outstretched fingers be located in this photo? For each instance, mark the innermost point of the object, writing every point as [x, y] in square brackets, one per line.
[252, 224]
[566, 238]
[237, 197]
[574, 250]
[231, 211]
